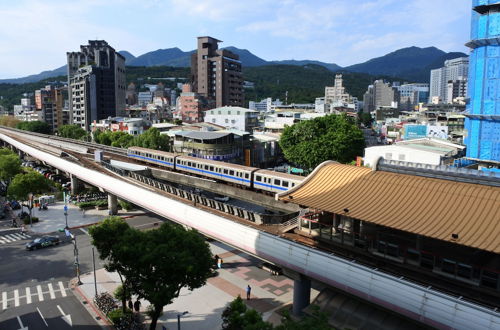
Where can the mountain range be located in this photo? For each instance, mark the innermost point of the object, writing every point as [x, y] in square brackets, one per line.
[412, 63]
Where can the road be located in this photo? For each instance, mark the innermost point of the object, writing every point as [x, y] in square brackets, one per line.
[34, 285]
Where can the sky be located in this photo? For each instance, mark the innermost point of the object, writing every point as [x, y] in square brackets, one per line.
[35, 35]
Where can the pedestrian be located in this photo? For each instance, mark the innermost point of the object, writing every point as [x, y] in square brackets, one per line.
[219, 263]
[83, 212]
[249, 290]
[23, 229]
[137, 305]
[130, 305]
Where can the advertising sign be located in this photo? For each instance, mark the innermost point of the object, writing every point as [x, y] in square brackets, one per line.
[440, 132]
[415, 131]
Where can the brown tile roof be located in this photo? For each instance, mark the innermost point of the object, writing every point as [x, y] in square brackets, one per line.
[420, 205]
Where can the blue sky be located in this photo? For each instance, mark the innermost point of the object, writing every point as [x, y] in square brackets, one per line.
[35, 35]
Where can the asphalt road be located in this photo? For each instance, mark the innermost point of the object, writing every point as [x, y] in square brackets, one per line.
[34, 285]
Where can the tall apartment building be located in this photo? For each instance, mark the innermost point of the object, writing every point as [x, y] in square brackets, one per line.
[96, 81]
[337, 92]
[454, 70]
[216, 74]
[380, 95]
[49, 102]
[410, 95]
[456, 89]
[483, 111]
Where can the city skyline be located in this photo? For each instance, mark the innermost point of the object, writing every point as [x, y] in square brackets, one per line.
[333, 31]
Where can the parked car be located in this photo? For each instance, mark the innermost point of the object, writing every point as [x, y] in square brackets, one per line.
[42, 242]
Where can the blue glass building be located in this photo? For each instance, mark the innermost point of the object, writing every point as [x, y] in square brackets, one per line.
[483, 119]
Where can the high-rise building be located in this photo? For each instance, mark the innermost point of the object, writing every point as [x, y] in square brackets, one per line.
[483, 111]
[96, 81]
[456, 89]
[131, 95]
[216, 74]
[410, 95]
[454, 70]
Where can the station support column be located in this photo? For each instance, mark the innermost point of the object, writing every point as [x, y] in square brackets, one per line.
[112, 204]
[75, 184]
[301, 294]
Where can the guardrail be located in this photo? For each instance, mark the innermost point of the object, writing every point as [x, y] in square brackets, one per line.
[194, 198]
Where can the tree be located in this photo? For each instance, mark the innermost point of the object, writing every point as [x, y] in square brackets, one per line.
[108, 238]
[311, 142]
[237, 316]
[9, 121]
[121, 139]
[152, 139]
[366, 119]
[34, 126]
[72, 132]
[317, 321]
[31, 182]
[170, 259]
[10, 165]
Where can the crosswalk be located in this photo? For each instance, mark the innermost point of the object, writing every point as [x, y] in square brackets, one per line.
[28, 295]
[9, 238]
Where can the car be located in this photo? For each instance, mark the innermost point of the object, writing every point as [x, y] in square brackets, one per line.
[42, 242]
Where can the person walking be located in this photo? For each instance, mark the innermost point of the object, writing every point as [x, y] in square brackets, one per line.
[219, 263]
[137, 305]
[130, 305]
[23, 229]
[249, 290]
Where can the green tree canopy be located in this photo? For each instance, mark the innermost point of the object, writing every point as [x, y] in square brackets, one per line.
[6, 151]
[152, 139]
[157, 264]
[311, 142]
[171, 258]
[34, 126]
[366, 119]
[237, 316]
[31, 182]
[72, 132]
[10, 165]
[108, 238]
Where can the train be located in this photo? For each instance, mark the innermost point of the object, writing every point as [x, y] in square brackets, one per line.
[248, 177]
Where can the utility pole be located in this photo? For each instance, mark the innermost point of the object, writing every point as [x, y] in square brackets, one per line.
[75, 251]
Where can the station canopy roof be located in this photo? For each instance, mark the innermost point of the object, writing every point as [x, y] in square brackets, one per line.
[429, 207]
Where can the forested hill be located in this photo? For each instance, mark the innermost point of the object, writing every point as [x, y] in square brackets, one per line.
[303, 83]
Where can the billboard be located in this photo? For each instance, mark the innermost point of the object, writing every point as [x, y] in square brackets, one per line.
[414, 131]
[439, 132]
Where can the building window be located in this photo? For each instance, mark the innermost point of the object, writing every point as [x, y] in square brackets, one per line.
[213, 120]
[401, 157]
[227, 120]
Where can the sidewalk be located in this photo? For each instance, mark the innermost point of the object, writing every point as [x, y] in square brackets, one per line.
[53, 218]
[205, 305]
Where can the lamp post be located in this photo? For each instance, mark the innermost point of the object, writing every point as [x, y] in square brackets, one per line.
[65, 209]
[179, 319]
[75, 252]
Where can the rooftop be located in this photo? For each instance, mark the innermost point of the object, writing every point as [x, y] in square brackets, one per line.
[431, 207]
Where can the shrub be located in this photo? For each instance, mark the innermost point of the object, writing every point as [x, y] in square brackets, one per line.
[127, 206]
[119, 293]
[26, 220]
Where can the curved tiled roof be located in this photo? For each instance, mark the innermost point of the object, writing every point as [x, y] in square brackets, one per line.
[425, 206]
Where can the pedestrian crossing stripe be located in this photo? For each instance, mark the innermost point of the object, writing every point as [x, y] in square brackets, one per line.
[27, 296]
[9, 238]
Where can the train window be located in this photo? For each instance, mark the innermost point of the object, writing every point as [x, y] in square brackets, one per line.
[285, 184]
[206, 167]
[211, 168]
[293, 184]
[231, 172]
[277, 182]
[225, 171]
[246, 175]
[258, 178]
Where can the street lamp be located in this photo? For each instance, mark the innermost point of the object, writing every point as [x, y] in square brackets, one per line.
[65, 209]
[179, 319]
[75, 252]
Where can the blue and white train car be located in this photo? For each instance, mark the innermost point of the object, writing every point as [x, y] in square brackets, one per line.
[275, 181]
[232, 173]
[162, 158]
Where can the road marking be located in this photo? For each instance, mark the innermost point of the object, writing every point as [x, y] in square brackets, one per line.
[12, 237]
[42, 317]
[4, 300]
[16, 298]
[63, 290]
[39, 290]
[21, 324]
[28, 295]
[84, 231]
[7, 239]
[18, 236]
[65, 317]
[51, 291]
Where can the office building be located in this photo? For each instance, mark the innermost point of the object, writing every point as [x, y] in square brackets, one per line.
[410, 95]
[216, 74]
[131, 95]
[380, 95]
[96, 81]
[457, 90]
[144, 98]
[454, 70]
[483, 111]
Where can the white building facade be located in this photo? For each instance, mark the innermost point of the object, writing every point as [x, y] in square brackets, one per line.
[238, 118]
